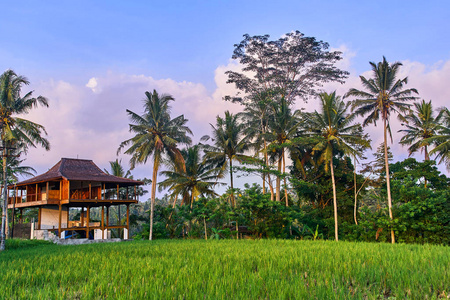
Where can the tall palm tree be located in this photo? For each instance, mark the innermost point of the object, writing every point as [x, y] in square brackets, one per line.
[229, 145]
[421, 125]
[283, 133]
[199, 177]
[15, 131]
[385, 94]
[117, 170]
[256, 117]
[442, 138]
[334, 130]
[156, 134]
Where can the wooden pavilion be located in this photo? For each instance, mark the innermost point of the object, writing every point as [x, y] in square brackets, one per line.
[74, 183]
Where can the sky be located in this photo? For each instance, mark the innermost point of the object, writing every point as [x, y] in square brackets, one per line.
[95, 59]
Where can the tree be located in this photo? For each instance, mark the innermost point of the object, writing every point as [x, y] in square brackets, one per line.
[197, 179]
[156, 134]
[17, 131]
[283, 132]
[292, 66]
[333, 128]
[421, 125]
[385, 94]
[229, 145]
[442, 138]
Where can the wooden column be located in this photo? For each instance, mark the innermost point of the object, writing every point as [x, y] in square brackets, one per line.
[60, 190]
[39, 218]
[117, 192]
[87, 221]
[21, 216]
[68, 216]
[16, 193]
[90, 191]
[82, 216]
[107, 217]
[46, 190]
[128, 220]
[36, 192]
[68, 189]
[103, 222]
[59, 222]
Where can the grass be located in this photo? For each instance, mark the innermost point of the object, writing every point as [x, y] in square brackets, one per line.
[226, 269]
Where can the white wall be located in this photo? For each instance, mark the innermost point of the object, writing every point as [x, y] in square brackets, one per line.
[50, 217]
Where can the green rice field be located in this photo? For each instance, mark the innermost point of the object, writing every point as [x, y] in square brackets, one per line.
[224, 269]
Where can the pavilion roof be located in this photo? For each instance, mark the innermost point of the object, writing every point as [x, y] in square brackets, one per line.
[79, 170]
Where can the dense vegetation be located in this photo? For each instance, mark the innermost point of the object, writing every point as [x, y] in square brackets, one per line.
[259, 269]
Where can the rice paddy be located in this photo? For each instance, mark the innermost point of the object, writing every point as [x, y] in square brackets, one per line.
[225, 269]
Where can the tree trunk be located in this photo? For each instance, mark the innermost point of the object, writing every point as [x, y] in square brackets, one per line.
[5, 201]
[388, 183]
[334, 202]
[153, 196]
[278, 181]
[231, 184]
[356, 194]
[204, 223]
[284, 180]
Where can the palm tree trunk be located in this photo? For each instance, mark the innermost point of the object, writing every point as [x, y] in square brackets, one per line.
[284, 179]
[204, 224]
[334, 202]
[5, 201]
[388, 183]
[356, 194]
[278, 181]
[153, 197]
[231, 183]
[427, 156]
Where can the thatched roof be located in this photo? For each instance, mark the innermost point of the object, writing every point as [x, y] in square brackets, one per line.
[79, 170]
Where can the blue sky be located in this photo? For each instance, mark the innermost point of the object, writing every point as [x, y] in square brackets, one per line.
[94, 59]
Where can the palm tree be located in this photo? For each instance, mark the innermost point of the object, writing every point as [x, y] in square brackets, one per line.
[199, 177]
[17, 131]
[156, 134]
[283, 126]
[442, 138]
[421, 125]
[229, 145]
[384, 95]
[117, 170]
[334, 131]
[256, 117]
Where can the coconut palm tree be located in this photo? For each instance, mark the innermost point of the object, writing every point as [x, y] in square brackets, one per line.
[421, 125]
[156, 134]
[384, 94]
[15, 131]
[198, 179]
[334, 131]
[283, 133]
[442, 138]
[229, 145]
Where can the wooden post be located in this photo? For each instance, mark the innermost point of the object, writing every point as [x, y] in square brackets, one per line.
[103, 222]
[90, 191]
[21, 196]
[46, 190]
[59, 222]
[87, 221]
[128, 220]
[107, 217]
[117, 192]
[39, 218]
[60, 190]
[68, 216]
[16, 192]
[36, 192]
[104, 192]
[82, 216]
[21, 216]
[68, 189]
